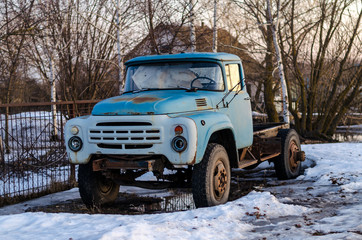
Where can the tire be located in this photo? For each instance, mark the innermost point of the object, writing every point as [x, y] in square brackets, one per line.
[286, 164]
[94, 188]
[211, 177]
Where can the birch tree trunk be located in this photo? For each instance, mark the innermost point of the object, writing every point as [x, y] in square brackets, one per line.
[120, 60]
[53, 92]
[192, 26]
[280, 65]
[214, 39]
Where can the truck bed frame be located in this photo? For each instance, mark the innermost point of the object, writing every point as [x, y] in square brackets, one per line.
[266, 144]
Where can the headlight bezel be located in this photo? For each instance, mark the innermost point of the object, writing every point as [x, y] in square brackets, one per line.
[75, 139]
[179, 144]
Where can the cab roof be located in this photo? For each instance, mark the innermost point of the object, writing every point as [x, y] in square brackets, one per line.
[219, 56]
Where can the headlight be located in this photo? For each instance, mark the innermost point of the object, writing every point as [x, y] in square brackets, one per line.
[74, 130]
[75, 144]
[179, 144]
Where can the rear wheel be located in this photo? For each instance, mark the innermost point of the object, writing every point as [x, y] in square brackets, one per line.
[211, 177]
[287, 164]
[94, 188]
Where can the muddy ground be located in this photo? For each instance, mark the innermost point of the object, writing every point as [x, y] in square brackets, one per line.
[326, 201]
[178, 200]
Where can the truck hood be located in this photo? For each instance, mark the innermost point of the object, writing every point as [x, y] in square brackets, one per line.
[153, 102]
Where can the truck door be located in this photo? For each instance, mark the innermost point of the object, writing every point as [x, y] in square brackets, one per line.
[239, 108]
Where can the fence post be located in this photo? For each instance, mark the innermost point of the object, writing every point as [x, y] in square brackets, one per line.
[72, 179]
[2, 159]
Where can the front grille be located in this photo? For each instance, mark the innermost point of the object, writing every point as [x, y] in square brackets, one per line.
[124, 135]
[115, 124]
[126, 146]
[112, 146]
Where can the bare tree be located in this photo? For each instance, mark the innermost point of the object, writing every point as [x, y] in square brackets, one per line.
[159, 16]
[327, 37]
[320, 44]
[279, 61]
[82, 39]
[214, 39]
[192, 26]
[258, 11]
[15, 24]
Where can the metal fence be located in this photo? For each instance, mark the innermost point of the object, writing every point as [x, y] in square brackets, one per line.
[33, 159]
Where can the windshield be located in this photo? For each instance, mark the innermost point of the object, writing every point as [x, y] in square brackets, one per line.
[200, 75]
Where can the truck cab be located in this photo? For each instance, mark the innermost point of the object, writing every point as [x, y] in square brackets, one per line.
[188, 113]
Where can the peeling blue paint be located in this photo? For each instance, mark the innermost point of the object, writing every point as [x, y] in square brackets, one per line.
[153, 103]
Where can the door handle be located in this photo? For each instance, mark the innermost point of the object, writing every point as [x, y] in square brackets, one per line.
[247, 98]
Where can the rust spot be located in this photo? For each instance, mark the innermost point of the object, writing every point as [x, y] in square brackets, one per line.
[137, 100]
[120, 100]
[145, 99]
[193, 160]
[110, 113]
[150, 113]
[74, 160]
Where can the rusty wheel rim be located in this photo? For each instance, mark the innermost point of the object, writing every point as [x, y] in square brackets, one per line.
[220, 180]
[293, 160]
[105, 185]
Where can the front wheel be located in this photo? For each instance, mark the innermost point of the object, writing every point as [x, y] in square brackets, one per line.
[211, 177]
[94, 188]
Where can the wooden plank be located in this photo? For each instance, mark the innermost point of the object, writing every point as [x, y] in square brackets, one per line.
[269, 157]
[246, 163]
[269, 130]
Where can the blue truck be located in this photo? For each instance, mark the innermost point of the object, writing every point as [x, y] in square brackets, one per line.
[185, 117]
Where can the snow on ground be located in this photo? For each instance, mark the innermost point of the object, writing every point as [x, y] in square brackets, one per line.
[324, 203]
[228, 221]
[339, 164]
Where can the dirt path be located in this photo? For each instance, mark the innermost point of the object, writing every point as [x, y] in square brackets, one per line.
[328, 204]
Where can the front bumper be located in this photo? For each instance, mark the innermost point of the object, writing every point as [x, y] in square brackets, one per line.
[131, 135]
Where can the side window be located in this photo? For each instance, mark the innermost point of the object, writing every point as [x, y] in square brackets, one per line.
[233, 76]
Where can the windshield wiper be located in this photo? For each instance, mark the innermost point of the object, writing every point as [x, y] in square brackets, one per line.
[193, 89]
[131, 91]
[144, 89]
[227, 94]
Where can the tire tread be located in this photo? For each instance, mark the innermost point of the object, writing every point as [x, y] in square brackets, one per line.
[200, 181]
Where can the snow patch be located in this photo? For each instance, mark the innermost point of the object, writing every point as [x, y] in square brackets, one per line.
[254, 216]
[336, 164]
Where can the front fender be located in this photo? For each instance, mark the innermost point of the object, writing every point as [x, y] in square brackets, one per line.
[207, 123]
[82, 155]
